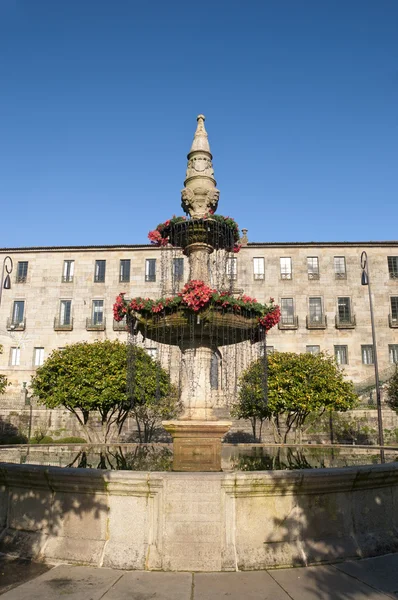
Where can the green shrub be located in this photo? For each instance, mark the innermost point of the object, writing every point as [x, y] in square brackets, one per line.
[43, 439]
[71, 440]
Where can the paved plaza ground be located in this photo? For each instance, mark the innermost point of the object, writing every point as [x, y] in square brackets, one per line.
[367, 579]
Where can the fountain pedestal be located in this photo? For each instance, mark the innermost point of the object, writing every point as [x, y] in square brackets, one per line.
[197, 444]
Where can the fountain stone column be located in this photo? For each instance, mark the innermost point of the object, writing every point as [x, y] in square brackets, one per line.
[197, 434]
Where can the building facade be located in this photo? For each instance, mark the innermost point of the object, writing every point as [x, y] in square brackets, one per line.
[63, 295]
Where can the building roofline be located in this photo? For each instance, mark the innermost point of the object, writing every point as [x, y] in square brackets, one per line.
[152, 247]
[322, 244]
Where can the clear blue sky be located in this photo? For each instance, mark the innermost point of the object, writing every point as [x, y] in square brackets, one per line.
[98, 105]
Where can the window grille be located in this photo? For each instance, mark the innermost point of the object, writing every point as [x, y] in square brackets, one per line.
[341, 355]
[150, 269]
[344, 310]
[99, 274]
[18, 312]
[178, 269]
[392, 262]
[313, 267]
[313, 349]
[258, 268]
[394, 308]
[231, 267]
[367, 354]
[15, 357]
[340, 267]
[65, 310]
[287, 311]
[22, 271]
[38, 359]
[286, 268]
[124, 271]
[316, 313]
[98, 312]
[393, 353]
[68, 272]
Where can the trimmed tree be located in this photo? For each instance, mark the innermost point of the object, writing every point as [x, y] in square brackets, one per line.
[297, 385]
[91, 380]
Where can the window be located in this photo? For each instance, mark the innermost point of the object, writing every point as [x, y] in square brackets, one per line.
[393, 266]
[15, 357]
[287, 311]
[97, 316]
[313, 267]
[394, 308]
[124, 271]
[316, 313]
[150, 269]
[214, 363]
[153, 353]
[339, 267]
[178, 269]
[69, 268]
[286, 268]
[258, 268]
[367, 354]
[341, 355]
[22, 271]
[99, 273]
[38, 357]
[65, 311]
[313, 349]
[18, 311]
[344, 310]
[231, 267]
[393, 352]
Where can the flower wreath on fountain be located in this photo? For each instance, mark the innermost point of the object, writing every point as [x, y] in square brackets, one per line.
[197, 296]
[162, 235]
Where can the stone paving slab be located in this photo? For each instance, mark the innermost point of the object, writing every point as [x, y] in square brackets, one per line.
[324, 583]
[66, 581]
[380, 572]
[253, 585]
[143, 585]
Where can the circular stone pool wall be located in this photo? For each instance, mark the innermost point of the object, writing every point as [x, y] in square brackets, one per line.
[198, 521]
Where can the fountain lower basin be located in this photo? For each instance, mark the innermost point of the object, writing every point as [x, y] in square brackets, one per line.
[198, 521]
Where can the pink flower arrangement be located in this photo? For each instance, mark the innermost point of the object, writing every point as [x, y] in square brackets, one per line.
[196, 294]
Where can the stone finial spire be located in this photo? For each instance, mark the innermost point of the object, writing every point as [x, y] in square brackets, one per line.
[199, 194]
[200, 140]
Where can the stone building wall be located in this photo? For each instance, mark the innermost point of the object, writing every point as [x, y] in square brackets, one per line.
[44, 289]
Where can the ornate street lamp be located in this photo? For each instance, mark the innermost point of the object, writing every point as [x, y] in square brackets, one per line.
[6, 283]
[365, 280]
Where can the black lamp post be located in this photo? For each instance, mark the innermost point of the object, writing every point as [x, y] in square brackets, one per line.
[6, 282]
[365, 280]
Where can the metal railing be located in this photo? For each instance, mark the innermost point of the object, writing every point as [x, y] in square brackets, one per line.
[67, 278]
[16, 325]
[120, 325]
[346, 322]
[316, 322]
[21, 278]
[340, 275]
[93, 325]
[313, 275]
[392, 321]
[288, 322]
[286, 275]
[60, 325]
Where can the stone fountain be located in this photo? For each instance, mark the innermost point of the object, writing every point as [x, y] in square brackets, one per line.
[200, 319]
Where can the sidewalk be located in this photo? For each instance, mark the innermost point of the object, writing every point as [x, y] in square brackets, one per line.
[368, 579]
